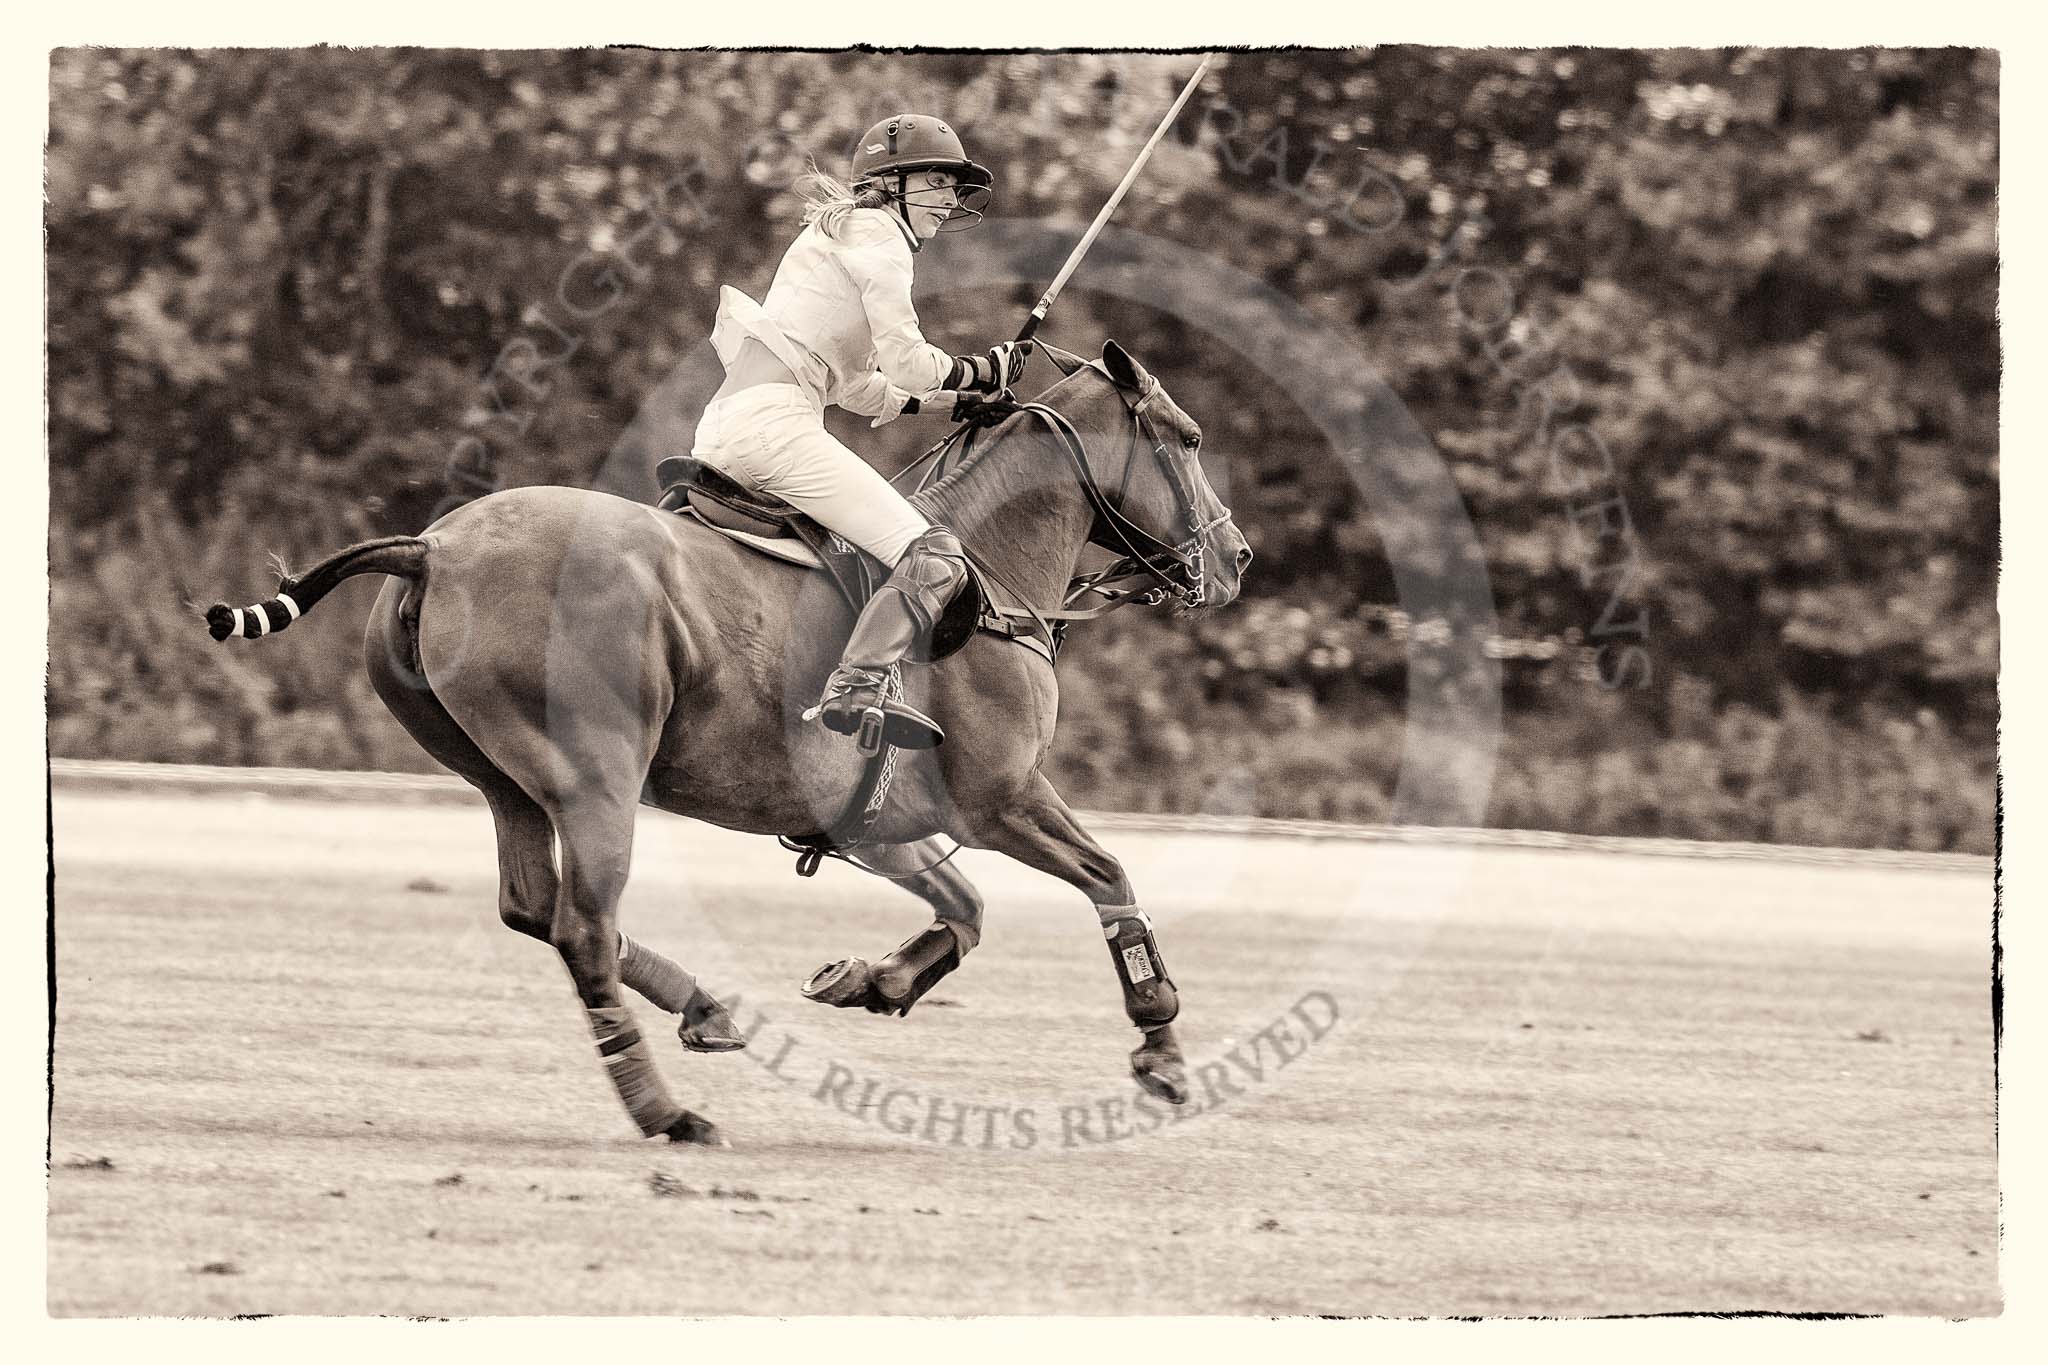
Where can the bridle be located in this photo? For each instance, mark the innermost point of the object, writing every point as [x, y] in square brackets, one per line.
[1150, 569]
[1176, 570]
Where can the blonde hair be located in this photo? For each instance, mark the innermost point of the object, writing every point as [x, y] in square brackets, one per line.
[828, 199]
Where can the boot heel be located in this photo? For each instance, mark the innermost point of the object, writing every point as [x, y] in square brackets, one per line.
[869, 737]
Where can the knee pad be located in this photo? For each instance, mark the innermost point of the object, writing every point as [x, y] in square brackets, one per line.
[931, 574]
[938, 540]
[935, 560]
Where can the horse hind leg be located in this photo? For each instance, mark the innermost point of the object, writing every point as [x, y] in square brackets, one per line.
[575, 910]
[528, 882]
[596, 834]
[528, 887]
[900, 980]
[574, 726]
[530, 892]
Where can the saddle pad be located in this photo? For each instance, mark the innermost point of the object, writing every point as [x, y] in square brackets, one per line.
[793, 551]
[785, 548]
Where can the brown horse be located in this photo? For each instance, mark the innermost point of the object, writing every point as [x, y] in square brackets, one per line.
[573, 655]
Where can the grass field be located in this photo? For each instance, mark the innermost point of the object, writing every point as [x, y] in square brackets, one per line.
[301, 1068]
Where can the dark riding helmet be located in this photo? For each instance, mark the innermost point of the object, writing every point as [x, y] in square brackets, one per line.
[892, 152]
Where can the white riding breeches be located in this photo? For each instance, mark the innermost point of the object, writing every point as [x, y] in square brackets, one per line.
[771, 439]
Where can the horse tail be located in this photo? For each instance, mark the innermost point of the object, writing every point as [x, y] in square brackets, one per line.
[401, 556]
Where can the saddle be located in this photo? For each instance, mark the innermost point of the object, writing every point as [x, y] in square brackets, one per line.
[692, 488]
[772, 527]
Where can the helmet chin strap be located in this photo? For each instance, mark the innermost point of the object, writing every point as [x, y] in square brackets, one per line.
[903, 210]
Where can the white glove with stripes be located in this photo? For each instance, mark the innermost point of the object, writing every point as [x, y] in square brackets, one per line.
[990, 373]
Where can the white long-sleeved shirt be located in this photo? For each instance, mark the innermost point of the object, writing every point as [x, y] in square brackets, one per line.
[839, 315]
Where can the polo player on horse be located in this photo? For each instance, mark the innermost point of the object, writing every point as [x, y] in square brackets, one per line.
[568, 724]
[838, 328]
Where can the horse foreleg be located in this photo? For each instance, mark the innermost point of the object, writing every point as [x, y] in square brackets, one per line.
[900, 980]
[596, 833]
[1039, 831]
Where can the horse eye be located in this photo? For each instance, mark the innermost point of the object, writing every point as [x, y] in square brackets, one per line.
[1190, 442]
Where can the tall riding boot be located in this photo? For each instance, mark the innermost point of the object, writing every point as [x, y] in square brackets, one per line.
[896, 619]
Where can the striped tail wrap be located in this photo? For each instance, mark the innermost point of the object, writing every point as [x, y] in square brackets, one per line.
[403, 556]
[252, 623]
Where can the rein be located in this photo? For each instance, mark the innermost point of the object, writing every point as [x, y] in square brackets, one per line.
[1150, 570]
[1183, 575]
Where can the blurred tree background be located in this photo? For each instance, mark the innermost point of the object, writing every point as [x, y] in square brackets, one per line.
[1707, 339]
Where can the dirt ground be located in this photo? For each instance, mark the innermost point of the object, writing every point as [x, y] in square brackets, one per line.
[301, 1068]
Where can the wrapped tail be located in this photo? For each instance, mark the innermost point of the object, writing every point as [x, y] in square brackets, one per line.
[402, 556]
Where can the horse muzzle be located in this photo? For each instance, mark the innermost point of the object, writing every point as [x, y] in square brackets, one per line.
[1218, 574]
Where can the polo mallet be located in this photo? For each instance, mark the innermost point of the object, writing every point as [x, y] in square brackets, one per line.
[1059, 282]
[1031, 324]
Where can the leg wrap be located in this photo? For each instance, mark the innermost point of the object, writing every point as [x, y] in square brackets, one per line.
[903, 977]
[630, 1064]
[1149, 997]
[899, 980]
[960, 909]
[967, 931]
[665, 984]
[706, 1027]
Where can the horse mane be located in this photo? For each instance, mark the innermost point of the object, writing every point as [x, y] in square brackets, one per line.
[926, 500]
[978, 445]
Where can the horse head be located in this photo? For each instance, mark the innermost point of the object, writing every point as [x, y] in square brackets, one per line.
[1145, 456]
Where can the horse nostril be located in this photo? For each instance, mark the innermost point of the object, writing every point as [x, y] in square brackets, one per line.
[1244, 560]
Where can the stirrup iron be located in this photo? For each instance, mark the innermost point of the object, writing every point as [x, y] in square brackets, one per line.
[867, 737]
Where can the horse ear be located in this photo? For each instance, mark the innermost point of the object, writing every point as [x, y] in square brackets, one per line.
[1128, 373]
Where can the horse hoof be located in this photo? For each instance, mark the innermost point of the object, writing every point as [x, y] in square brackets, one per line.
[1169, 1082]
[844, 984]
[1159, 1067]
[710, 1030]
[695, 1130]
